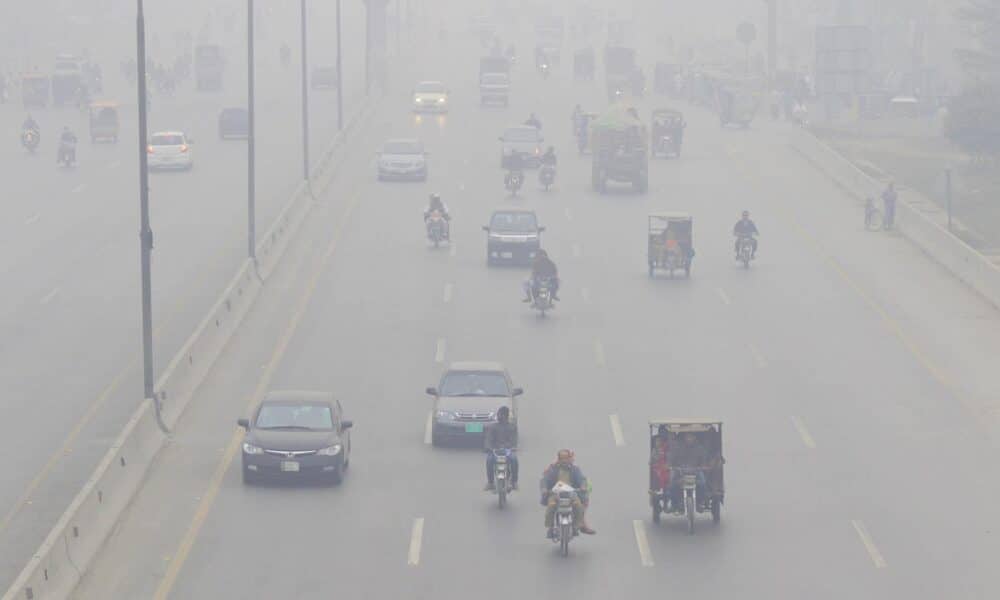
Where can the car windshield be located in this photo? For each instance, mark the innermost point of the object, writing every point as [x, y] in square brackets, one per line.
[313, 417]
[522, 222]
[494, 78]
[521, 134]
[402, 147]
[430, 88]
[66, 66]
[167, 140]
[474, 383]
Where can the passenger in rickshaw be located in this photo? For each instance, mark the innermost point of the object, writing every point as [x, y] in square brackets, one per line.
[690, 453]
[658, 461]
[672, 244]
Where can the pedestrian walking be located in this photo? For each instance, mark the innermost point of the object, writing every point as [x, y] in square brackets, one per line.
[889, 204]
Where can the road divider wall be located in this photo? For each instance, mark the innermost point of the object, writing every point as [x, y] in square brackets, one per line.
[964, 261]
[70, 547]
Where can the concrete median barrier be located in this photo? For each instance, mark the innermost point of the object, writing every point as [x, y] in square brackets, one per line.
[70, 547]
[965, 262]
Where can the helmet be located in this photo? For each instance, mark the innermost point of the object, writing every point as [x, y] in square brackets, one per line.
[746, 214]
[435, 197]
[503, 413]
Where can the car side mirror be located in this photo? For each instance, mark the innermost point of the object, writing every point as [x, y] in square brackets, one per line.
[500, 137]
[244, 423]
[541, 229]
[346, 424]
[486, 228]
[518, 391]
[431, 391]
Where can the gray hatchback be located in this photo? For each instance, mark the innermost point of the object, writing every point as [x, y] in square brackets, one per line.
[467, 399]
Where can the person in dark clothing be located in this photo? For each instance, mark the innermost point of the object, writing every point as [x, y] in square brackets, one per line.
[745, 228]
[30, 124]
[534, 122]
[889, 198]
[542, 268]
[515, 167]
[501, 435]
[549, 158]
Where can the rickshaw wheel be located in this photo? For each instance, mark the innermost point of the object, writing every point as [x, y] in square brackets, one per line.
[687, 271]
[656, 511]
[716, 510]
[650, 269]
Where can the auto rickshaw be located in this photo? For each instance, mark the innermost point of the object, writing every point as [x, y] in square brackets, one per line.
[582, 131]
[667, 132]
[104, 121]
[670, 242]
[737, 107]
[34, 90]
[685, 489]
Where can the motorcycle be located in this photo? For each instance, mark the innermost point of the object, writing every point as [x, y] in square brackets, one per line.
[745, 250]
[565, 527]
[544, 70]
[503, 484]
[436, 228]
[546, 176]
[30, 138]
[541, 296]
[513, 182]
[67, 154]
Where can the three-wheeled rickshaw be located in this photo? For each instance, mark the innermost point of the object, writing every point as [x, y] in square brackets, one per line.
[671, 245]
[34, 90]
[676, 486]
[667, 132]
[104, 121]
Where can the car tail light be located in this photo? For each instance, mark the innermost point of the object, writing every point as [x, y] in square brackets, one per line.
[184, 148]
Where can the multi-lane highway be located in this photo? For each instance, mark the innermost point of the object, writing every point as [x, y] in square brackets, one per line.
[69, 314]
[853, 374]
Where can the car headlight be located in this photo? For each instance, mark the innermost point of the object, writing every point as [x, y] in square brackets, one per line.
[444, 415]
[418, 99]
[442, 100]
[249, 448]
[333, 450]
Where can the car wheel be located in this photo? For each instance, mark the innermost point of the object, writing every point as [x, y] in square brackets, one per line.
[435, 439]
[248, 477]
[337, 475]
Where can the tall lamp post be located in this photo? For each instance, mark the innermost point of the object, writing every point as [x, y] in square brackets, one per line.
[340, 77]
[251, 140]
[305, 98]
[145, 232]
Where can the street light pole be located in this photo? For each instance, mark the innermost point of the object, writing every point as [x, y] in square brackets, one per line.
[145, 233]
[251, 139]
[305, 98]
[340, 77]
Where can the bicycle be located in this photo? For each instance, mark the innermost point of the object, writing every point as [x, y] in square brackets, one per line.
[873, 216]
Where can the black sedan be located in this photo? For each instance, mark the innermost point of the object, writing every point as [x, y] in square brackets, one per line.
[513, 235]
[296, 434]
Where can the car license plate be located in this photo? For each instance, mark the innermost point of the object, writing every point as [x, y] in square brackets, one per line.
[473, 428]
[289, 466]
[506, 255]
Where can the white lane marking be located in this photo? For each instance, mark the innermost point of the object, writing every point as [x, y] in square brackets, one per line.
[585, 292]
[803, 432]
[722, 296]
[453, 250]
[569, 214]
[48, 297]
[461, 187]
[576, 250]
[33, 218]
[599, 354]
[79, 188]
[115, 164]
[416, 539]
[447, 292]
[616, 430]
[645, 554]
[439, 353]
[428, 438]
[758, 356]
[866, 539]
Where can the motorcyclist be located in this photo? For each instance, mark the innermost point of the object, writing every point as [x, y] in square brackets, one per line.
[575, 118]
[515, 166]
[549, 158]
[691, 453]
[67, 144]
[30, 124]
[534, 122]
[542, 268]
[563, 470]
[745, 228]
[435, 204]
[501, 435]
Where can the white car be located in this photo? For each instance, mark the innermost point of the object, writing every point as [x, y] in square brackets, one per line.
[402, 159]
[430, 96]
[169, 150]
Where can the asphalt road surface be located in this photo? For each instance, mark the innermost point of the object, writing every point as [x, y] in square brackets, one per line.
[855, 378]
[70, 363]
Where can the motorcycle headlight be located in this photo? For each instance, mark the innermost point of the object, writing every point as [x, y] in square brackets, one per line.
[249, 448]
[442, 100]
[333, 450]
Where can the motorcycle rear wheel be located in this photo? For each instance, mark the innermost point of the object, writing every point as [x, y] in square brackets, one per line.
[565, 533]
[689, 511]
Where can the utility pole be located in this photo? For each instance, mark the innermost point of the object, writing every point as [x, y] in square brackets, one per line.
[251, 140]
[145, 233]
[305, 97]
[340, 77]
[772, 40]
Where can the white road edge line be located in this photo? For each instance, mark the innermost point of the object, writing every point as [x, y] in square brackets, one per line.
[447, 292]
[599, 354]
[428, 436]
[804, 433]
[722, 296]
[758, 356]
[416, 539]
[585, 292]
[80, 188]
[32, 218]
[439, 353]
[616, 430]
[48, 297]
[645, 555]
[866, 539]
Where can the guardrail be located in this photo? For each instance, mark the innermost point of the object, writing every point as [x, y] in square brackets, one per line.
[964, 261]
[60, 562]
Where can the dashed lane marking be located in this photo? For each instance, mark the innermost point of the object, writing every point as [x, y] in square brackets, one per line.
[585, 292]
[448, 288]
[114, 164]
[439, 352]
[569, 214]
[48, 297]
[453, 249]
[758, 356]
[79, 188]
[803, 432]
[576, 250]
[616, 430]
[599, 354]
[416, 540]
[866, 539]
[645, 554]
[33, 218]
[428, 437]
[723, 296]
